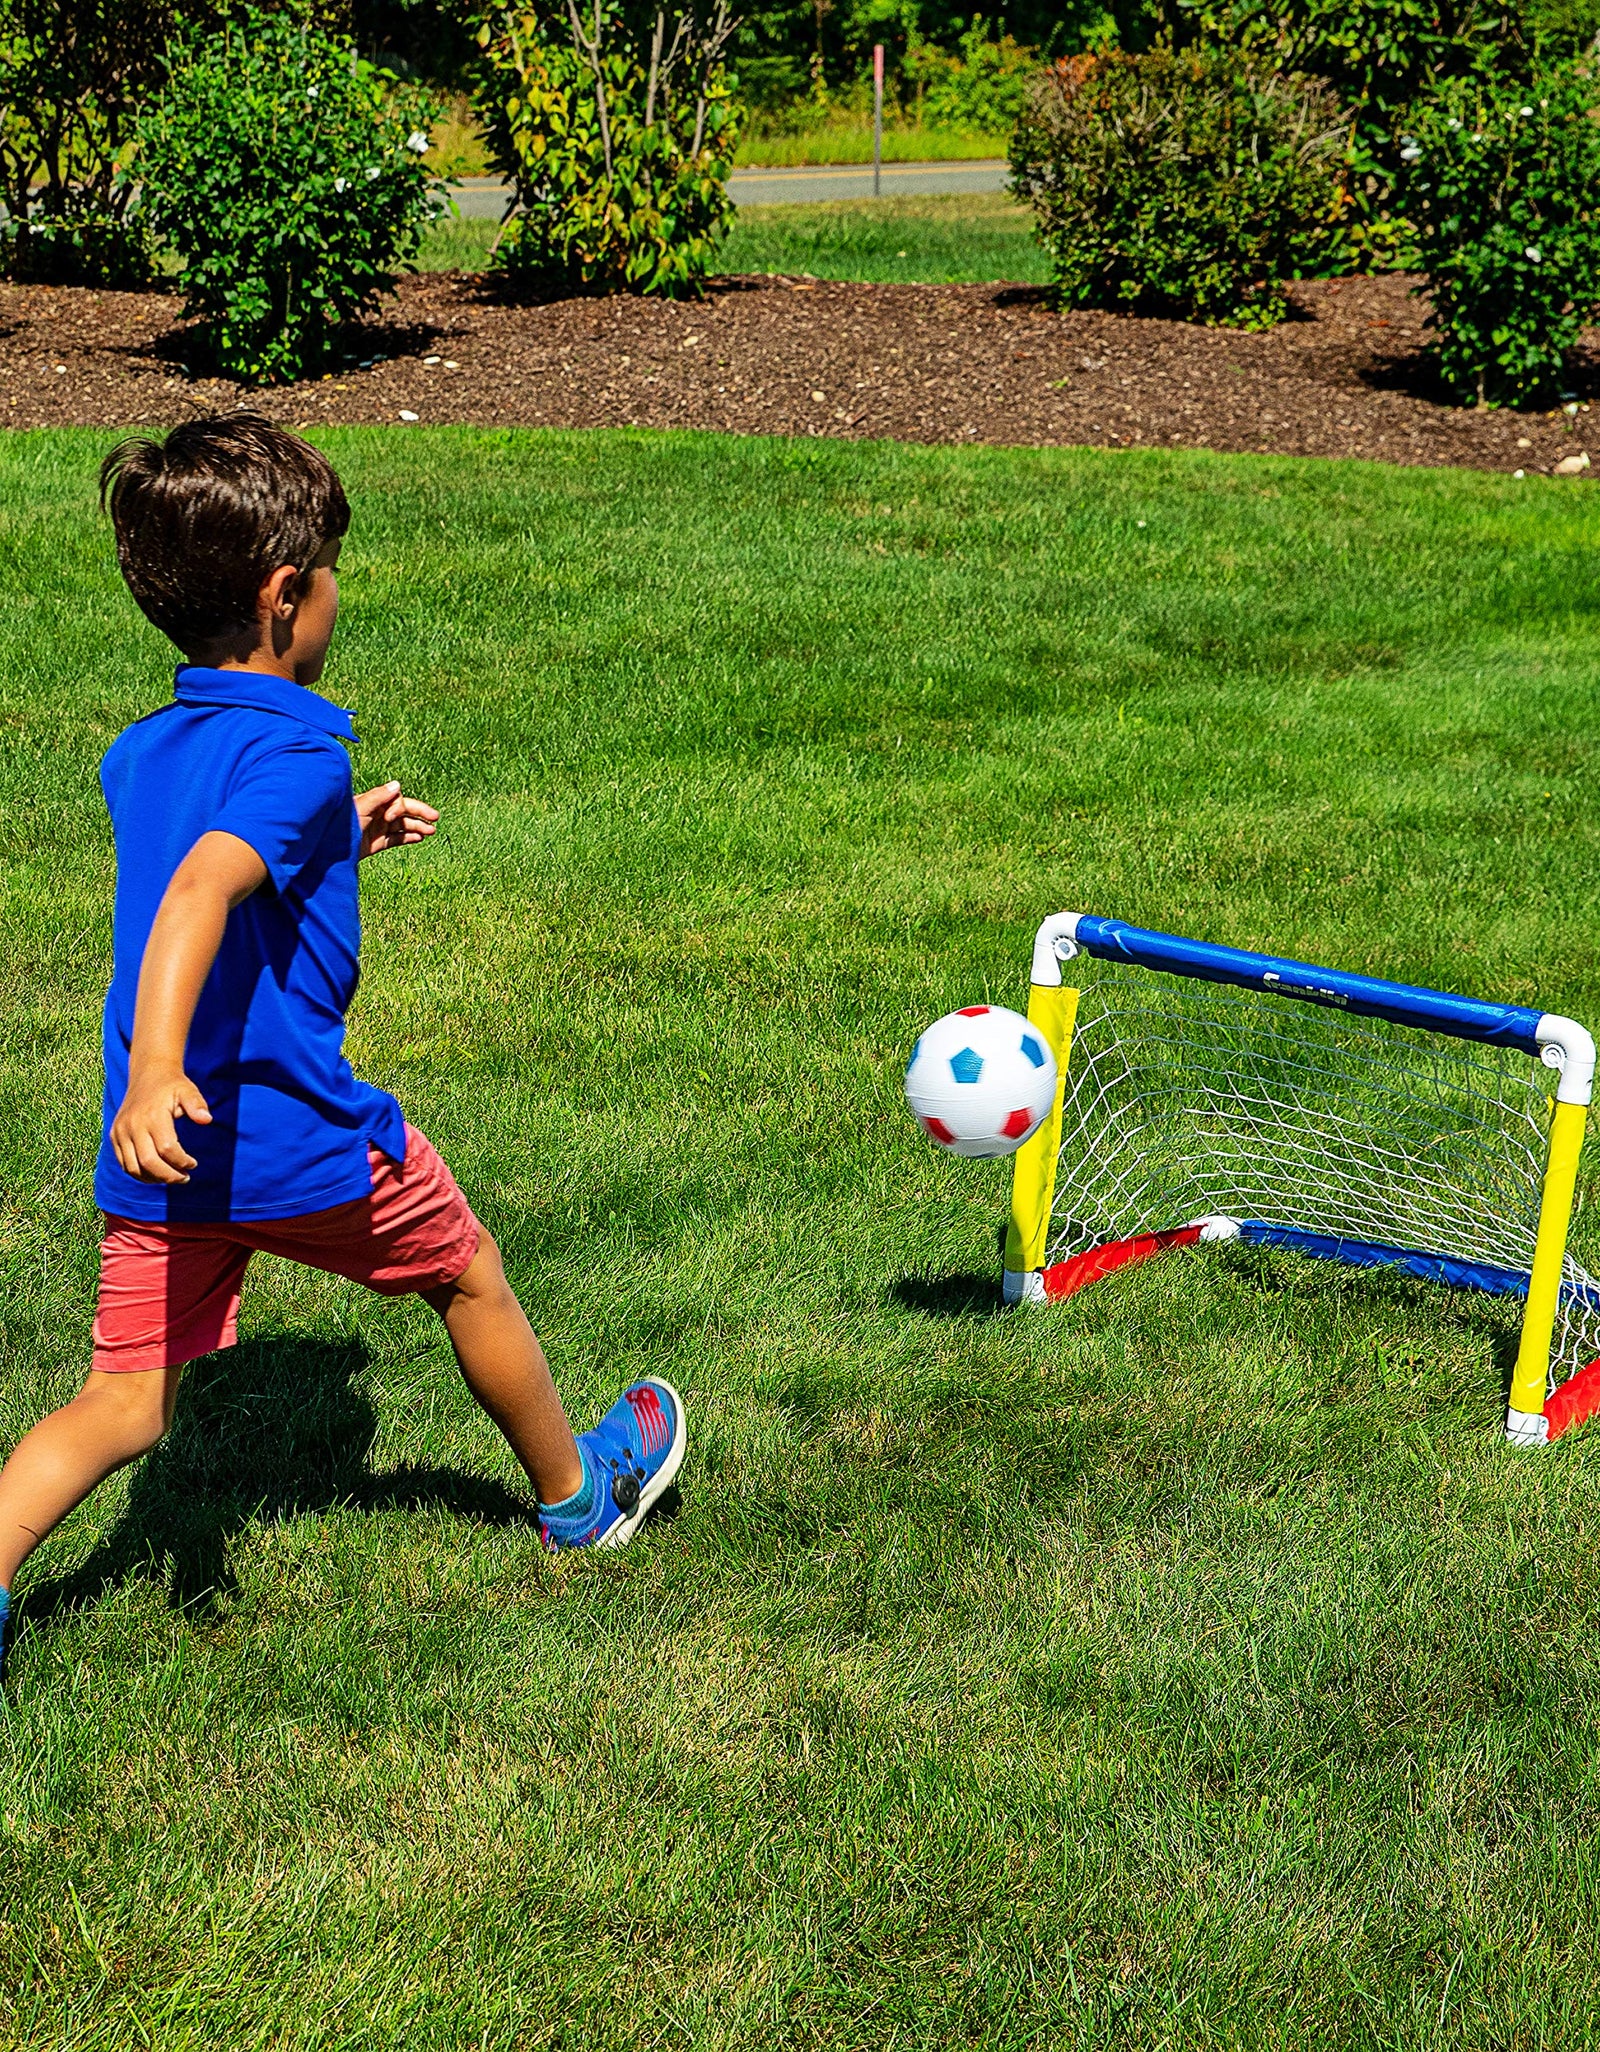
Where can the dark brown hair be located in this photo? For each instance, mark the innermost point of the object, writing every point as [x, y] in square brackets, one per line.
[204, 518]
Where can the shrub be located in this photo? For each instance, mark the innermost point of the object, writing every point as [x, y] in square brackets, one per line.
[75, 241]
[1186, 184]
[287, 175]
[72, 74]
[982, 88]
[1504, 193]
[618, 151]
[1380, 57]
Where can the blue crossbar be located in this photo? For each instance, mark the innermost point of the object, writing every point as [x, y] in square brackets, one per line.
[1406, 1004]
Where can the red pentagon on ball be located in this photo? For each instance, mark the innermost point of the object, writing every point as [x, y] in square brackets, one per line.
[938, 1130]
[1017, 1124]
[972, 1011]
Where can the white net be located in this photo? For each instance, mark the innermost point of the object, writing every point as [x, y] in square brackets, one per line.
[1187, 1099]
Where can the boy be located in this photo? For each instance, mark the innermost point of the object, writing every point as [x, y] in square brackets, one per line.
[232, 1119]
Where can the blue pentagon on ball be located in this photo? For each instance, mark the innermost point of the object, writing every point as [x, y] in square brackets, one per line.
[967, 1066]
[1032, 1049]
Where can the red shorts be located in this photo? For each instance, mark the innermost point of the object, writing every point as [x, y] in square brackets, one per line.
[170, 1293]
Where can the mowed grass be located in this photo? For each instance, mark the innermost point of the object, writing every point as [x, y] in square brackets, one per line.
[1189, 1666]
[948, 239]
[958, 238]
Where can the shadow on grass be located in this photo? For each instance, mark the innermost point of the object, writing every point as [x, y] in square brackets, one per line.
[949, 1296]
[274, 1429]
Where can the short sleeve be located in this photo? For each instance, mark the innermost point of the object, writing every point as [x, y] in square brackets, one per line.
[284, 799]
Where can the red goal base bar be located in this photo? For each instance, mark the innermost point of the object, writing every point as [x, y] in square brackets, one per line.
[1066, 1278]
[1577, 1399]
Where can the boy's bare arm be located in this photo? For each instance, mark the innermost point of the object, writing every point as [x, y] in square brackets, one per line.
[219, 872]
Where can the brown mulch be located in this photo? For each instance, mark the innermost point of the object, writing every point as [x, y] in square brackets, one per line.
[1345, 376]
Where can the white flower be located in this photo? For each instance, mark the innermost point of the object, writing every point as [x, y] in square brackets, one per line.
[372, 172]
[1452, 122]
[417, 141]
[1524, 110]
[312, 92]
[1411, 154]
[1532, 252]
[341, 184]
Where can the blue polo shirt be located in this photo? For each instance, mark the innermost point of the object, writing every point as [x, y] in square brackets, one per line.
[243, 753]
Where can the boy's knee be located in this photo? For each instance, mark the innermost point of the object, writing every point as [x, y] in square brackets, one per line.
[134, 1407]
[483, 1281]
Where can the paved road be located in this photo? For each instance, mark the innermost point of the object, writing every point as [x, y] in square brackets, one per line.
[482, 198]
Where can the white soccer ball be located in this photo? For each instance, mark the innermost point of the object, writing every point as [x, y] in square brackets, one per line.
[981, 1080]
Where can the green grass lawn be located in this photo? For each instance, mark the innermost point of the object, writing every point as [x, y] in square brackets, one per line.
[456, 245]
[954, 239]
[1190, 1666]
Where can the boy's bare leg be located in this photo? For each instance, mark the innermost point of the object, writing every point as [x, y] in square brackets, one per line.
[505, 1368]
[115, 1418]
[111, 1421]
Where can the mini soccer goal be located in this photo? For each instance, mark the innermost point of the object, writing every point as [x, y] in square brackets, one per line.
[1210, 1094]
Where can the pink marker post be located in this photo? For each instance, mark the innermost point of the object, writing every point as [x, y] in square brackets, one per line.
[877, 120]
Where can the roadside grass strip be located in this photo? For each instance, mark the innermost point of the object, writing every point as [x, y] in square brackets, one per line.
[1192, 1665]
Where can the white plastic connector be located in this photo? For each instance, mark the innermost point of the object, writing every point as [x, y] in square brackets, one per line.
[1021, 1286]
[1527, 1428]
[1055, 942]
[1569, 1047]
[1218, 1227]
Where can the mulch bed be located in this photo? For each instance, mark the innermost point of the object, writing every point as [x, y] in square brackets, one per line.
[1345, 376]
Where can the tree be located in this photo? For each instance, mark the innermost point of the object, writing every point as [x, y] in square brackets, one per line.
[72, 76]
[616, 128]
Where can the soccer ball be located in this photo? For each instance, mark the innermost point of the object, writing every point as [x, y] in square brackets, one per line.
[981, 1080]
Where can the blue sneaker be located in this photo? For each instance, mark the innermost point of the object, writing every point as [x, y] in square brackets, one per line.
[629, 1458]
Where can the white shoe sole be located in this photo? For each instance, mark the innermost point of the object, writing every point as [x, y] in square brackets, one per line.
[623, 1530]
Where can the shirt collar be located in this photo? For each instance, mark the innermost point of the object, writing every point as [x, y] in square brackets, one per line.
[262, 693]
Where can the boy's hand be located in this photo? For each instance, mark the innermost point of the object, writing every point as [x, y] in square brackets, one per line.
[144, 1133]
[389, 819]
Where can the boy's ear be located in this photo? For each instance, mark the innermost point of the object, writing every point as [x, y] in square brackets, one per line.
[281, 593]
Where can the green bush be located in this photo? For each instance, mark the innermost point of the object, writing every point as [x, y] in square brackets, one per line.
[76, 241]
[1381, 57]
[288, 177]
[72, 76]
[983, 87]
[618, 151]
[1189, 185]
[1504, 193]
